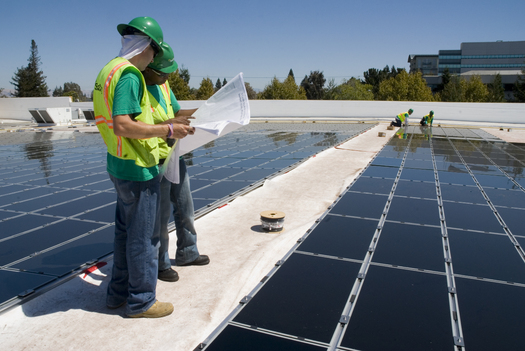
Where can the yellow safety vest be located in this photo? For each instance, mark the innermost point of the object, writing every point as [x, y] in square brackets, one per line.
[145, 152]
[402, 116]
[428, 118]
[160, 115]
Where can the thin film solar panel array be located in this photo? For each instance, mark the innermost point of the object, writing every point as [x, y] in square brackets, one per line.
[424, 251]
[57, 203]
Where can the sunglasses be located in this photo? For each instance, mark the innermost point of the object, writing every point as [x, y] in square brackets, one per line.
[155, 48]
[160, 74]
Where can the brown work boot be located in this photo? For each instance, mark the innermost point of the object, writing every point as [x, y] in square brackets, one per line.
[159, 309]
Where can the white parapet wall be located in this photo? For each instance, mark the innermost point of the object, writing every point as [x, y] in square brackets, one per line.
[494, 114]
[445, 112]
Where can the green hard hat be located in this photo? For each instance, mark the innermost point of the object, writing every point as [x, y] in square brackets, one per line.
[165, 63]
[146, 25]
[432, 112]
[410, 110]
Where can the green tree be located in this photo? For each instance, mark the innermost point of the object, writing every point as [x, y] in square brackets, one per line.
[452, 91]
[354, 89]
[496, 90]
[405, 87]
[313, 85]
[331, 90]
[292, 90]
[460, 89]
[180, 86]
[70, 89]
[205, 90]
[76, 88]
[291, 73]
[473, 89]
[418, 89]
[374, 77]
[58, 91]
[445, 78]
[224, 82]
[30, 81]
[252, 95]
[272, 91]
[287, 90]
[218, 85]
[73, 94]
[184, 74]
[519, 87]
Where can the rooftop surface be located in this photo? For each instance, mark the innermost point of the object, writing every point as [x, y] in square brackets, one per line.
[392, 234]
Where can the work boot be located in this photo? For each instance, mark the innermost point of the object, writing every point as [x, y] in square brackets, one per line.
[168, 275]
[159, 309]
[199, 261]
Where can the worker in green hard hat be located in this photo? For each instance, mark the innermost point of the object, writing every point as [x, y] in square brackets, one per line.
[124, 119]
[178, 194]
[427, 119]
[401, 118]
[146, 26]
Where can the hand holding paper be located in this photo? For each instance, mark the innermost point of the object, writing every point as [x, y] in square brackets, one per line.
[182, 120]
[227, 110]
[182, 130]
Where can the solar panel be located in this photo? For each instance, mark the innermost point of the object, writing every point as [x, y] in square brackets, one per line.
[422, 251]
[491, 314]
[400, 310]
[341, 236]
[239, 338]
[298, 290]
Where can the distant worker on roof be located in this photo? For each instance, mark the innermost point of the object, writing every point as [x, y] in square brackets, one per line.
[124, 118]
[401, 119]
[165, 106]
[427, 119]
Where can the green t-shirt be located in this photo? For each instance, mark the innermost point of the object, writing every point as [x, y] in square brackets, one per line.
[126, 101]
[174, 103]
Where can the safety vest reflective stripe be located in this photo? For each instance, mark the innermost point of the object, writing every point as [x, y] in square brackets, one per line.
[168, 95]
[101, 119]
[106, 101]
[402, 116]
[108, 82]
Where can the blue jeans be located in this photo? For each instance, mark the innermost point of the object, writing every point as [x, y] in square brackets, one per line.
[135, 257]
[396, 123]
[179, 195]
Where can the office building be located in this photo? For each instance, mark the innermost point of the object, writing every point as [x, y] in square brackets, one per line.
[485, 59]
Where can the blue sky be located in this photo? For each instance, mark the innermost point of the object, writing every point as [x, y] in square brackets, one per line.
[262, 39]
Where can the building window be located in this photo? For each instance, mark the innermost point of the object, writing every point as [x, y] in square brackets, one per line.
[463, 57]
[494, 65]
